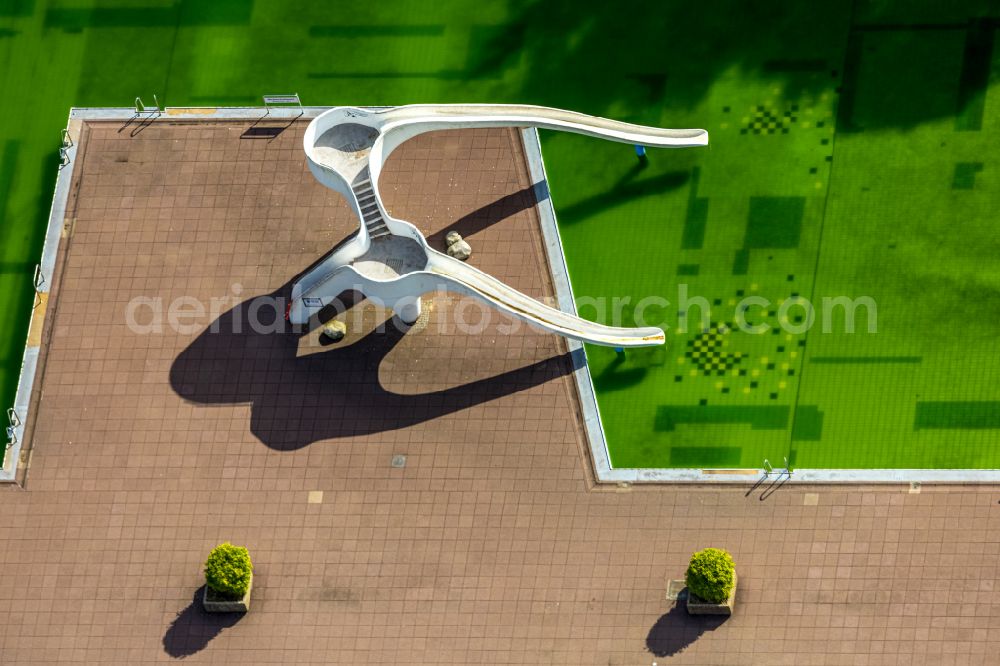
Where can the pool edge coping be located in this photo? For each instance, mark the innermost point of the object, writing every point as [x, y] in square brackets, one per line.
[12, 456]
[593, 428]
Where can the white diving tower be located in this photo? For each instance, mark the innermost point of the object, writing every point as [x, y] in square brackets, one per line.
[389, 260]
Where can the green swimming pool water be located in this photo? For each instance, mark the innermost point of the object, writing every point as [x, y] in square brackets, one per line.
[851, 156]
[862, 166]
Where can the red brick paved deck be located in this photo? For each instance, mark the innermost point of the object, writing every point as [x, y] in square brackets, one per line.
[491, 546]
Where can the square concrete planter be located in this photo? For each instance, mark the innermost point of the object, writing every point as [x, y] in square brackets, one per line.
[698, 606]
[215, 602]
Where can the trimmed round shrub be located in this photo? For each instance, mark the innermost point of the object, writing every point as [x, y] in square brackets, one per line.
[228, 570]
[711, 575]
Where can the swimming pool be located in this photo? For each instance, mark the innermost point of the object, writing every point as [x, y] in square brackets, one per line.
[834, 197]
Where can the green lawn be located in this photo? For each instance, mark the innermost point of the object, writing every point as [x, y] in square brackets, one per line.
[882, 186]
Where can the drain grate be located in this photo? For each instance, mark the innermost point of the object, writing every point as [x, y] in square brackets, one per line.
[395, 264]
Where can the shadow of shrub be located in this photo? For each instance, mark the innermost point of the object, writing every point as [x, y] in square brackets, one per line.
[193, 628]
[676, 630]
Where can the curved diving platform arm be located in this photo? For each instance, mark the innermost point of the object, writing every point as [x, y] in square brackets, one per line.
[468, 280]
[446, 273]
[444, 116]
[400, 124]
